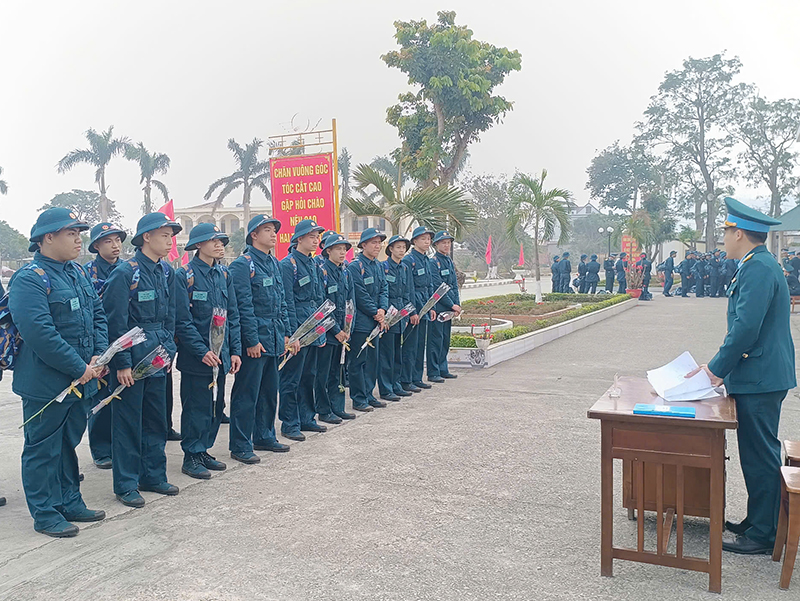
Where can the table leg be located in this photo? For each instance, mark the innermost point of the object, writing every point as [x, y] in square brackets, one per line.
[607, 503]
[717, 510]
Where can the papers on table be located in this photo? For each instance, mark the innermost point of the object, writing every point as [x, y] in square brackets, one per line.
[671, 384]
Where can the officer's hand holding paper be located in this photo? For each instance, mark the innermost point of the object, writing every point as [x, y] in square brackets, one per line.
[671, 384]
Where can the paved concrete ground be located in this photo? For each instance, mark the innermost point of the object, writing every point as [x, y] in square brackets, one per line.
[486, 487]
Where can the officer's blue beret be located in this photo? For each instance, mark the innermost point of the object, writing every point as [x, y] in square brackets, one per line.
[334, 239]
[745, 218]
[419, 231]
[623, 255]
[306, 226]
[51, 221]
[397, 238]
[557, 258]
[101, 230]
[369, 234]
[154, 221]
[673, 252]
[584, 257]
[613, 255]
[716, 250]
[593, 257]
[324, 237]
[204, 232]
[442, 235]
[256, 222]
[565, 254]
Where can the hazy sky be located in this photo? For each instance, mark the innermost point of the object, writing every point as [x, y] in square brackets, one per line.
[184, 76]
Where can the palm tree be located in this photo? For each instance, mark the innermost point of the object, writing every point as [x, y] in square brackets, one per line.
[102, 148]
[3, 184]
[438, 208]
[344, 171]
[150, 165]
[531, 206]
[251, 173]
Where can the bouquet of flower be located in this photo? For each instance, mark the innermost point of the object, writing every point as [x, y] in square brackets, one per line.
[216, 339]
[311, 337]
[349, 315]
[130, 338]
[154, 362]
[378, 329]
[397, 317]
[312, 322]
[440, 292]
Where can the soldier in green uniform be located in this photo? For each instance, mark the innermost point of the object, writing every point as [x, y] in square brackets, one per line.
[61, 321]
[443, 271]
[106, 242]
[756, 363]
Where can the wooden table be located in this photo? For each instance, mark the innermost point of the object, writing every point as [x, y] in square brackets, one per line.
[685, 461]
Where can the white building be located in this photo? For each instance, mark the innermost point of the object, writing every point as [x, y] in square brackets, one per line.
[228, 219]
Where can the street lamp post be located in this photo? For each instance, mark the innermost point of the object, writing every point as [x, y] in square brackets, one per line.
[609, 230]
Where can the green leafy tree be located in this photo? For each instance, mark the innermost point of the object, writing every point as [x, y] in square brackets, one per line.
[618, 174]
[150, 165]
[440, 207]
[768, 131]
[345, 158]
[102, 148]
[454, 104]
[585, 236]
[3, 184]
[251, 173]
[85, 204]
[688, 237]
[237, 241]
[13, 244]
[534, 208]
[689, 116]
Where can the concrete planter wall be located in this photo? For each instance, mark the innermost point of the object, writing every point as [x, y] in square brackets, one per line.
[508, 349]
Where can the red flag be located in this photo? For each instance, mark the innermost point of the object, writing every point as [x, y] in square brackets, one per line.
[351, 254]
[169, 210]
[521, 256]
[185, 259]
[489, 251]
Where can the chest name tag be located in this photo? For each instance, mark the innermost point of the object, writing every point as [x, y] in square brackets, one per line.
[147, 295]
[332, 289]
[200, 296]
[74, 304]
[268, 281]
[445, 272]
[390, 278]
[304, 280]
[368, 280]
[421, 271]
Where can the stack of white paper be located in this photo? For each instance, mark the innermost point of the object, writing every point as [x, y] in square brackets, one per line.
[671, 383]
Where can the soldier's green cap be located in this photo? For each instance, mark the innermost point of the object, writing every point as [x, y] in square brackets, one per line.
[746, 218]
[51, 221]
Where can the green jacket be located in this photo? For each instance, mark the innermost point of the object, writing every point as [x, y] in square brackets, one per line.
[757, 355]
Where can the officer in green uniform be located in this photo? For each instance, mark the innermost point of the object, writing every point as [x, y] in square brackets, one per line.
[265, 329]
[61, 321]
[303, 288]
[400, 286]
[608, 266]
[669, 269]
[415, 336]
[756, 363]
[203, 286]
[592, 275]
[106, 242]
[791, 280]
[555, 274]
[372, 302]
[141, 292]
[337, 285]
[443, 271]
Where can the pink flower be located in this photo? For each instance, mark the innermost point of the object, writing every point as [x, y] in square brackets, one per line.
[319, 315]
[158, 362]
[404, 312]
[319, 330]
[437, 296]
[491, 302]
[348, 318]
[218, 320]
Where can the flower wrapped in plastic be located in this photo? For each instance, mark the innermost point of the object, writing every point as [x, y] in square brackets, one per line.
[129, 339]
[311, 337]
[313, 321]
[216, 339]
[440, 292]
[349, 315]
[445, 316]
[378, 329]
[154, 362]
[397, 317]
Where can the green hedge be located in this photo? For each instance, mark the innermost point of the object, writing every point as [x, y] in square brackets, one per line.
[552, 297]
[466, 341]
